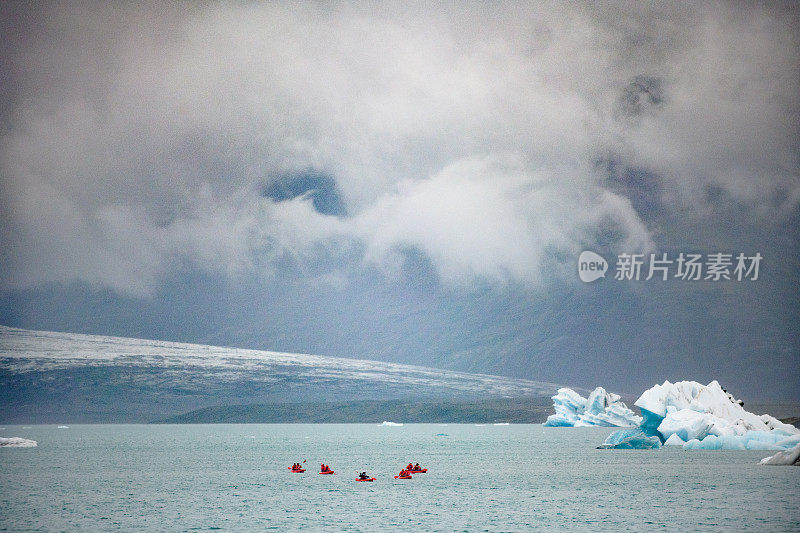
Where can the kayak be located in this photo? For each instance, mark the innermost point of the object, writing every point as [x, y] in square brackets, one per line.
[417, 471]
[402, 477]
[328, 472]
[296, 470]
[368, 479]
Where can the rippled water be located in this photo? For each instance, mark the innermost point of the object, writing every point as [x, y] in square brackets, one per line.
[492, 478]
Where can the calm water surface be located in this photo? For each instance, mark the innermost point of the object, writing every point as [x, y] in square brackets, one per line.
[481, 478]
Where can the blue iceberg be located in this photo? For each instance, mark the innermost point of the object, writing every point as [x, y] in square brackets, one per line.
[599, 409]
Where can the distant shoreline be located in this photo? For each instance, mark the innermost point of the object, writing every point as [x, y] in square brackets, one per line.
[531, 410]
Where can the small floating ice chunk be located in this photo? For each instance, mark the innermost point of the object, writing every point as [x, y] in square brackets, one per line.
[500, 424]
[631, 439]
[63, 427]
[393, 424]
[788, 457]
[17, 442]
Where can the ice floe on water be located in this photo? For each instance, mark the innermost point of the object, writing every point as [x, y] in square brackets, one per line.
[393, 424]
[601, 408]
[16, 442]
[789, 457]
[631, 439]
[705, 417]
[63, 427]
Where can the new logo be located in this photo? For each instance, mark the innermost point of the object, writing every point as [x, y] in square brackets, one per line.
[591, 266]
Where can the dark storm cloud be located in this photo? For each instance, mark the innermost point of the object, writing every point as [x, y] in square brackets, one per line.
[138, 140]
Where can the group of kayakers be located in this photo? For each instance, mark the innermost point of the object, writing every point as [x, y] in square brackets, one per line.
[363, 476]
[410, 468]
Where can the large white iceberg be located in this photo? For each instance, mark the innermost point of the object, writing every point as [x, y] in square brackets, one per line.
[16, 442]
[601, 408]
[789, 457]
[706, 417]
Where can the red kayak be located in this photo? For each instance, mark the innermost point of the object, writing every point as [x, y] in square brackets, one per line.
[402, 477]
[323, 473]
[368, 479]
[416, 471]
[296, 470]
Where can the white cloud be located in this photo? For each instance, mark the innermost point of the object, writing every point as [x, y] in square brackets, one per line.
[493, 219]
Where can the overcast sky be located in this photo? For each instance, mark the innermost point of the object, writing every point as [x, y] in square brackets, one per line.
[408, 181]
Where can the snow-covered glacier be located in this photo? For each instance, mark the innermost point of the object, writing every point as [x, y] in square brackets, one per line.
[25, 351]
[601, 408]
[706, 417]
[54, 377]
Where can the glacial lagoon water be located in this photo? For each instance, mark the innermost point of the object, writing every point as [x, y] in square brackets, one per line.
[480, 478]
